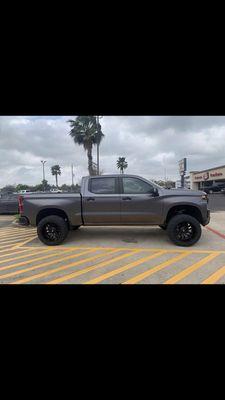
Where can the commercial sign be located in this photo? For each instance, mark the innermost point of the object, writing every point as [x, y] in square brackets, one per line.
[210, 175]
[183, 166]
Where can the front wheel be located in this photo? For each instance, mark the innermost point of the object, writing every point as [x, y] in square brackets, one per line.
[52, 230]
[184, 230]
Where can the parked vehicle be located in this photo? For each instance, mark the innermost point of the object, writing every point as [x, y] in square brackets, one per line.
[214, 188]
[56, 191]
[117, 200]
[9, 203]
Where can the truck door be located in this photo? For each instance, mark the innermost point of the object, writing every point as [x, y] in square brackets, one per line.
[138, 203]
[101, 201]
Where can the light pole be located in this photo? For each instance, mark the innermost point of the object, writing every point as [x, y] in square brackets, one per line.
[43, 164]
[98, 145]
[72, 174]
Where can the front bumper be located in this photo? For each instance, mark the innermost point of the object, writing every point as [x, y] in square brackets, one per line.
[207, 221]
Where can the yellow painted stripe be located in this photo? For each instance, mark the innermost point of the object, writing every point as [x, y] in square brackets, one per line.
[16, 239]
[2, 244]
[7, 247]
[16, 252]
[47, 273]
[16, 229]
[32, 260]
[33, 253]
[214, 277]
[92, 268]
[142, 249]
[15, 235]
[152, 271]
[20, 244]
[32, 268]
[181, 275]
[124, 268]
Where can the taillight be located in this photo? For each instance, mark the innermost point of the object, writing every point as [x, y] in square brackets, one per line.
[21, 204]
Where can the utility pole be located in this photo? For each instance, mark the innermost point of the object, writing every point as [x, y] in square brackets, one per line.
[97, 119]
[98, 146]
[72, 174]
[165, 177]
[43, 164]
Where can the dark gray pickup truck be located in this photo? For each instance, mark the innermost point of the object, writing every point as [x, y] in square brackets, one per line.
[117, 200]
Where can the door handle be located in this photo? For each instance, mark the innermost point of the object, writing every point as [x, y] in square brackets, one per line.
[126, 198]
[90, 199]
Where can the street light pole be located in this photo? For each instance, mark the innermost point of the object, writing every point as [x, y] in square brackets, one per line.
[97, 119]
[98, 147]
[43, 164]
[72, 174]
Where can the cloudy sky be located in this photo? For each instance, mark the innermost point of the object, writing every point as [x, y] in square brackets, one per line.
[149, 144]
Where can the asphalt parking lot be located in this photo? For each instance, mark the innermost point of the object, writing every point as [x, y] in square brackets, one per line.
[111, 255]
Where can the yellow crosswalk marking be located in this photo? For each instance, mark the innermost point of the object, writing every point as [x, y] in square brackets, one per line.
[92, 268]
[152, 271]
[32, 268]
[47, 273]
[214, 277]
[124, 268]
[181, 275]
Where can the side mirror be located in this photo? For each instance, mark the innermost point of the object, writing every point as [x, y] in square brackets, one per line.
[154, 192]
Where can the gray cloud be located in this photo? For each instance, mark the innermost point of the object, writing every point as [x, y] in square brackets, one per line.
[147, 142]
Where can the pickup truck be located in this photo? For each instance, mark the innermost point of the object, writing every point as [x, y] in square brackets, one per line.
[117, 200]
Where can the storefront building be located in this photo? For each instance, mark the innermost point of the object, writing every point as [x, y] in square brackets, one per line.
[206, 178]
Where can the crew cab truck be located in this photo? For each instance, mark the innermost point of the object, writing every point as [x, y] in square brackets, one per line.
[117, 200]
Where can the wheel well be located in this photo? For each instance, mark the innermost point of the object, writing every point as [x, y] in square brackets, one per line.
[51, 211]
[189, 210]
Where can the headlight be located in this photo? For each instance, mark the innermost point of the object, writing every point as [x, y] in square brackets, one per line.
[205, 197]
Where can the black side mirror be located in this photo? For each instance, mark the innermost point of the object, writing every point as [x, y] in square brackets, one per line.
[154, 192]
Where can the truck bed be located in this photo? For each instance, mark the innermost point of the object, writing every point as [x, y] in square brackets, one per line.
[70, 203]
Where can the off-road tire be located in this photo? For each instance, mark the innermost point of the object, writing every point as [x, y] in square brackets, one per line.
[184, 221]
[55, 223]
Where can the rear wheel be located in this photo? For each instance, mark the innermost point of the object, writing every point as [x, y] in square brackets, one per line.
[184, 230]
[52, 230]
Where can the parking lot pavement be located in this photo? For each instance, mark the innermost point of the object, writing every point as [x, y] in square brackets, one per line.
[110, 255]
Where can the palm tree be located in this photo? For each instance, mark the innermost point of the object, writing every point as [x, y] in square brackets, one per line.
[86, 132]
[121, 164]
[56, 170]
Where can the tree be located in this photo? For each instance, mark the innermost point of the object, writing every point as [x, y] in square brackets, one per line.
[86, 132]
[8, 189]
[121, 164]
[56, 170]
[20, 187]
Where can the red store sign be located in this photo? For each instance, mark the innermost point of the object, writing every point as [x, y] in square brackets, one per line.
[208, 175]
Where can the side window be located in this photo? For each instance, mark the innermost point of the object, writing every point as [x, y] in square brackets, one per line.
[136, 186]
[103, 185]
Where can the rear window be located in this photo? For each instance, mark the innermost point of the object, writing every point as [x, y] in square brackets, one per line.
[103, 185]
